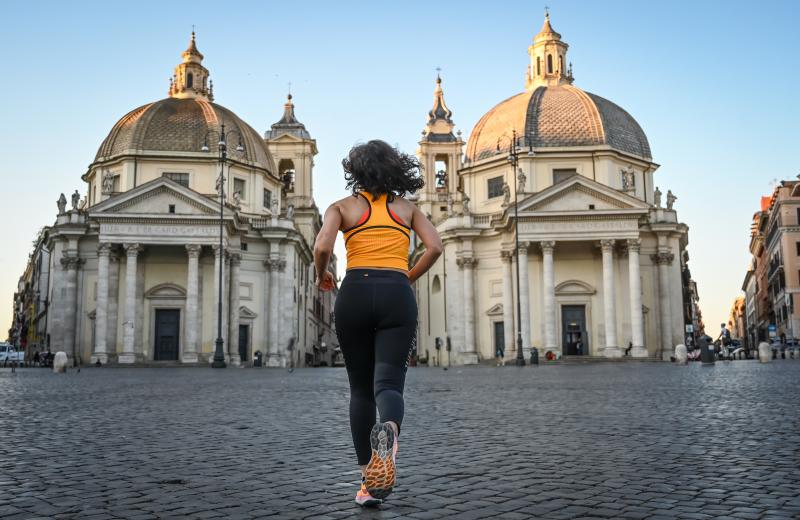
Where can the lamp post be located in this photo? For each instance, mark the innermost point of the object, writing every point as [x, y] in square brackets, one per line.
[222, 147]
[513, 159]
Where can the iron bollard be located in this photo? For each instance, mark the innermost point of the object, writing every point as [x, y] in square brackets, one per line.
[534, 356]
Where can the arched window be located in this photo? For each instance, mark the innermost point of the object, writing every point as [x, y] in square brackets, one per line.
[538, 66]
[189, 80]
[286, 172]
[549, 63]
[436, 285]
[561, 64]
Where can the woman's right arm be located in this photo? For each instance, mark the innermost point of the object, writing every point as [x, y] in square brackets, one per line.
[430, 239]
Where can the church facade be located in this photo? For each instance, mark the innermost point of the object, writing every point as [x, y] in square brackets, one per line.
[134, 274]
[554, 192]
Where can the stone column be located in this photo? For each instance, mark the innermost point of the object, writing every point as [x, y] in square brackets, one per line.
[510, 335]
[663, 259]
[113, 306]
[524, 297]
[288, 306]
[549, 290]
[70, 264]
[128, 354]
[277, 266]
[217, 288]
[233, 319]
[469, 356]
[192, 304]
[635, 282]
[609, 300]
[101, 308]
[267, 309]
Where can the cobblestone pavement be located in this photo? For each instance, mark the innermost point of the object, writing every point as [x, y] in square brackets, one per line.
[606, 440]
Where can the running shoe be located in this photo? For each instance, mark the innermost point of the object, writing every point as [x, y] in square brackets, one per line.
[364, 499]
[379, 477]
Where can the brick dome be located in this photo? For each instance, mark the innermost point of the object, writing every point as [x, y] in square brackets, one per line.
[558, 116]
[175, 126]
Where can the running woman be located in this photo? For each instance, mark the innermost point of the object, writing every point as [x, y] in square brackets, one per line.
[375, 310]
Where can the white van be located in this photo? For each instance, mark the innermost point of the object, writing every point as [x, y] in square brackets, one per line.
[8, 354]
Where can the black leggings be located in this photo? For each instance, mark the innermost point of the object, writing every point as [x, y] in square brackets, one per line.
[376, 323]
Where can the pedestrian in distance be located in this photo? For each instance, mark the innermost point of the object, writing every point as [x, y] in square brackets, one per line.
[500, 356]
[375, 310]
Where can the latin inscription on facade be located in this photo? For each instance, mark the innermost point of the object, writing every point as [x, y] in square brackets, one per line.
[158, 230]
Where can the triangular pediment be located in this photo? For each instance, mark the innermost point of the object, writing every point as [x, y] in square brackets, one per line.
[579, 193]
[495, 310]
[155, 198]
[247, 314]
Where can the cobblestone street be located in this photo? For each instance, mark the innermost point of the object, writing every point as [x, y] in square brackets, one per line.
[605, 440]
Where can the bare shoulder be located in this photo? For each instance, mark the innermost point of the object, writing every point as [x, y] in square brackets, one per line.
[405, 203]
[344, 202]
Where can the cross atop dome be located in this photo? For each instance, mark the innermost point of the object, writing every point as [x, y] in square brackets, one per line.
[548, 58]
[190, 79]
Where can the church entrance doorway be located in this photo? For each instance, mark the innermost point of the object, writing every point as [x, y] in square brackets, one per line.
[244, 337]
[573, 325]
[499, 337]
[167, 334]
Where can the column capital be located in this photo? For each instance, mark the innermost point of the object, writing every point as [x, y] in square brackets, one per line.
[235, 258]
[277, 264]
[217, 250]
[133, 249]
[104, 249]
[71, 262]
[523, 247]
[507, 256]
[193, 250]
[607, 244]
[634, 244]
[662, 258]
[466, 262]
[547, 246]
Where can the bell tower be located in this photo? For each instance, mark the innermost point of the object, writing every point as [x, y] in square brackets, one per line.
[548, 66]
[439, 154]
[293, 149]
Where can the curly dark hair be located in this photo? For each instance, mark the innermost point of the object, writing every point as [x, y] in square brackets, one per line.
[376, 167]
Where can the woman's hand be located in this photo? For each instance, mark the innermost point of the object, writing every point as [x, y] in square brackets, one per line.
[326, 281]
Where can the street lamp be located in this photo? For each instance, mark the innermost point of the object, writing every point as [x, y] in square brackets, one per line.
[222, 147]
[513, 159]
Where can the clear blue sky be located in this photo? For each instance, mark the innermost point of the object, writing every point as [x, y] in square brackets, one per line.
[713, 84]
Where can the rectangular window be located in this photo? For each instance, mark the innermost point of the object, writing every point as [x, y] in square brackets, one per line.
[797, 245]
[239, 185]
[494, 187]
[179, 177]
[798, 216]
[115, 184]
[562, 174]
[244, 246]
[267, 198]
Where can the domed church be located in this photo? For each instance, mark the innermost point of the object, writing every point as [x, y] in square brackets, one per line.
[555, 194]
[136, 263]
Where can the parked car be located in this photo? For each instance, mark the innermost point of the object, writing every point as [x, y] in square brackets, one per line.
[8, 354]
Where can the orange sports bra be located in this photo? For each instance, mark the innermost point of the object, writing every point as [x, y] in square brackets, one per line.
[379, 238]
